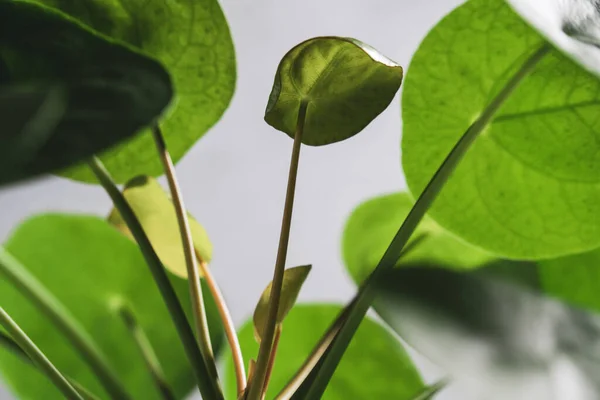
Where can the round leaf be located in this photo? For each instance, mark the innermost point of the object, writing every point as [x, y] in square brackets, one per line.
[110, 90]
[508, 342]
[375, 366]
[89, 267]
[345, 82]
[373, 224]
[293, 279]
[527, 187]
[193, 40]
[155, 210]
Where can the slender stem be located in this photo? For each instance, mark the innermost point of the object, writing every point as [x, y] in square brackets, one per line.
[193, 272]
[208, 387]
[37, 357]
[9, 344]
[228, 325]
[367, 292]
[37, 293]
[319, 350]
[147, 352]
[256, 386]
[272, 359]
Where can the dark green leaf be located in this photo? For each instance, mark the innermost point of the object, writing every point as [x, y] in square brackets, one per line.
[293, 279]
[376, 365]
[154, 209]
[346, 83]
[528, 186]
[505, 340]
[111, 91]
[193, 41]
[90, 267]
[373, 224]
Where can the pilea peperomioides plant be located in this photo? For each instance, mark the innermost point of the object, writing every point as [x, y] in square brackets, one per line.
[497, 283]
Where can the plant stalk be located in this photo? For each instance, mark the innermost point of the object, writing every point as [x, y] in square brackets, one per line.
[228, 325]
[9, 344]
[147, 352]
[431, 390]
[193, 278]
[367, 292]
[209, 388]
[60, 316]
[37, 357]
[272, 359]
[257, 384]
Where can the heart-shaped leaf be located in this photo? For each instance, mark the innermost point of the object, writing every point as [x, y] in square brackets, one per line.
[373, 224]
[155, 210]
[510, 342]
[88, 267]
[345, 82]
[111, 91]
[293, 279]
[526, 188]
[193, 41]
[375, 366]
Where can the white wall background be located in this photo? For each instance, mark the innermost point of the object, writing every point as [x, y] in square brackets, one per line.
[234, 178]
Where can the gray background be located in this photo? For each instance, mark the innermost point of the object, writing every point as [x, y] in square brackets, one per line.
[234, 178]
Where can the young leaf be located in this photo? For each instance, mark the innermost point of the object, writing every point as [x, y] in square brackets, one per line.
[89, 266]
[110, 90]
[154, 209]
[526, 188]
[293, 279]
[193, 40]
[373, 224]
[507, 341]
[376, 365]
[345, 82]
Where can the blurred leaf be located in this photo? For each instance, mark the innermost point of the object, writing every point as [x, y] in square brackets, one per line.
[346, 83]
[293, 279]
[527, 188]
[193, 41]
[89, 268]
[155, 210]
[110, 90]
[376, 365]
[373, 224]
[509, 342]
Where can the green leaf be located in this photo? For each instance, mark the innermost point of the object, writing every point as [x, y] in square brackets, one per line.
[373, 224]
[90, 267]
[193, 40]
[293, 279]
[110, 90]
[504, 340]
[528, 186]
[345, 82]
[154, 209]
[376, 365]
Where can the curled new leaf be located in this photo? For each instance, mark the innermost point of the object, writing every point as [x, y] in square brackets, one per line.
[293, 279]
[345, 82]
[504, 339]
[156, 212]
[110, 90]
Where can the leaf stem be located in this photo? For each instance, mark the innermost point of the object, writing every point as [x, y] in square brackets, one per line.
[37, 293]
[272, 359]
[257, 384]
[208, 388]
[201, 322]
[37, 357]
[9, 344]
[228, 325]
[147, 352]
[431, 390]
[367, 292]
